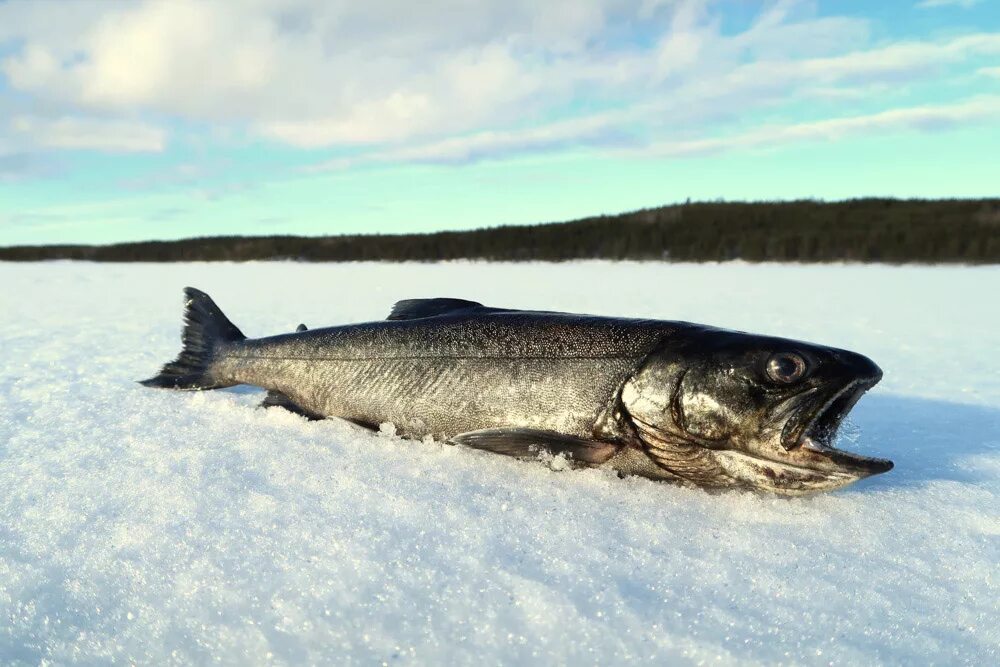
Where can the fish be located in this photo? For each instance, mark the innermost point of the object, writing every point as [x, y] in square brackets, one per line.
[672, 401]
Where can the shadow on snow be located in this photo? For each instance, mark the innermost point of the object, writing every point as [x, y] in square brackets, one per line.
[927, 439]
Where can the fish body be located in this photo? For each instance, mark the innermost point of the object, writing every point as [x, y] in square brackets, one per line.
[455, 373]
[667, 400]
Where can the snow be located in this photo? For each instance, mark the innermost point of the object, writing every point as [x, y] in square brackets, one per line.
[162, 527]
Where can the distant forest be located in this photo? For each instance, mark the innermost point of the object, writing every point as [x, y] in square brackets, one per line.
[860, 230]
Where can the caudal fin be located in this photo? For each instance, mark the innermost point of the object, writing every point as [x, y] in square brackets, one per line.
[205, 330]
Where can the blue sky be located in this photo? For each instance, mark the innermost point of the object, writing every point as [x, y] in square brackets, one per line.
[138, 120]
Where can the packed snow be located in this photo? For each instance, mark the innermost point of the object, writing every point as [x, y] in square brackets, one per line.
[158, 527]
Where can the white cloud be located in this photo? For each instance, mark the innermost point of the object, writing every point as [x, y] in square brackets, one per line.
[311, 74]
[598, 129]
[446, 80]
[924, 118]
[889, 63]
[931, 4]
[465, 90]
[75, 133]
[177, 57]
[601, 130]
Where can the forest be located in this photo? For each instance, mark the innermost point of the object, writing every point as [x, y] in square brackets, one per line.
[858, 230]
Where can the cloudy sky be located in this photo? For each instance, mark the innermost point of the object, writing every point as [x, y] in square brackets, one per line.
[165, 119]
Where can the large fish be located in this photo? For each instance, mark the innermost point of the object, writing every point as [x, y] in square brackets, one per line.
[673, 401]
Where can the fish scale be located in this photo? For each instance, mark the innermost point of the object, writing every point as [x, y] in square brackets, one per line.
[662, 399]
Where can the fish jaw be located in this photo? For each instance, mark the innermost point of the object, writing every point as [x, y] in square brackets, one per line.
[797, 459]
[784, 478]
[729, 468]
[805, 460]
[807, 437]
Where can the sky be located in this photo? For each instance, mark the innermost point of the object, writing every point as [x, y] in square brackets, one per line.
[124, 121]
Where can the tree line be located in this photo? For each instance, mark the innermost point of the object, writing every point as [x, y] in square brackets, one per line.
[859, 230]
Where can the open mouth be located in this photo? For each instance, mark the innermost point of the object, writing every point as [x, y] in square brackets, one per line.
[815, 432]
[810, 463]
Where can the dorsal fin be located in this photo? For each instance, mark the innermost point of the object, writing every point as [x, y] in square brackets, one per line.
[412, 309]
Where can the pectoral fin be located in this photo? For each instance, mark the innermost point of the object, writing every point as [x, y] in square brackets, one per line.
[275, 399]
[528, 444]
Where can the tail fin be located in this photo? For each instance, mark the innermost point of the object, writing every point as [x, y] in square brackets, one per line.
[205, 329]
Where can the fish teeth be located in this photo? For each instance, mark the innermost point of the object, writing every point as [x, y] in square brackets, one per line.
[809, 443]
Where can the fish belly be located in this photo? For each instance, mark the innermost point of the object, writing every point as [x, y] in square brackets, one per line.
[445, 397]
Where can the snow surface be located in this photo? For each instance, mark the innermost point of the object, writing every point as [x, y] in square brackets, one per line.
[149, 526]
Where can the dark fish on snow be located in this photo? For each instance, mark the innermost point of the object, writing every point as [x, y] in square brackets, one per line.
[673, 401]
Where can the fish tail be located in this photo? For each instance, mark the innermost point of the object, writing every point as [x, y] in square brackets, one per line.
[206, 331]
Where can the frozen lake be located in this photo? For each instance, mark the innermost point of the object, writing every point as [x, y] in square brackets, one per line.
[166, 527]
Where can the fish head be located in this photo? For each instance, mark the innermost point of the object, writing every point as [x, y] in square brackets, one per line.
[728, 409]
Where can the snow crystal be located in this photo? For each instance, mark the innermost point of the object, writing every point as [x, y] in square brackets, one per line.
[150, 526]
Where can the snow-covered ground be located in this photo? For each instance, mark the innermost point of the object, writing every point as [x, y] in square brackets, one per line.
[162, 527]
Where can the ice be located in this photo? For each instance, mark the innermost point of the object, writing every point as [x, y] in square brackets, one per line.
[158, 527]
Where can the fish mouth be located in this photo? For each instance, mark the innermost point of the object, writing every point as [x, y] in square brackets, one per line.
[808, 436]
[803, 461]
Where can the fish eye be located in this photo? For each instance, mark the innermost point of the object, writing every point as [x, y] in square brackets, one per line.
[786, 367]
